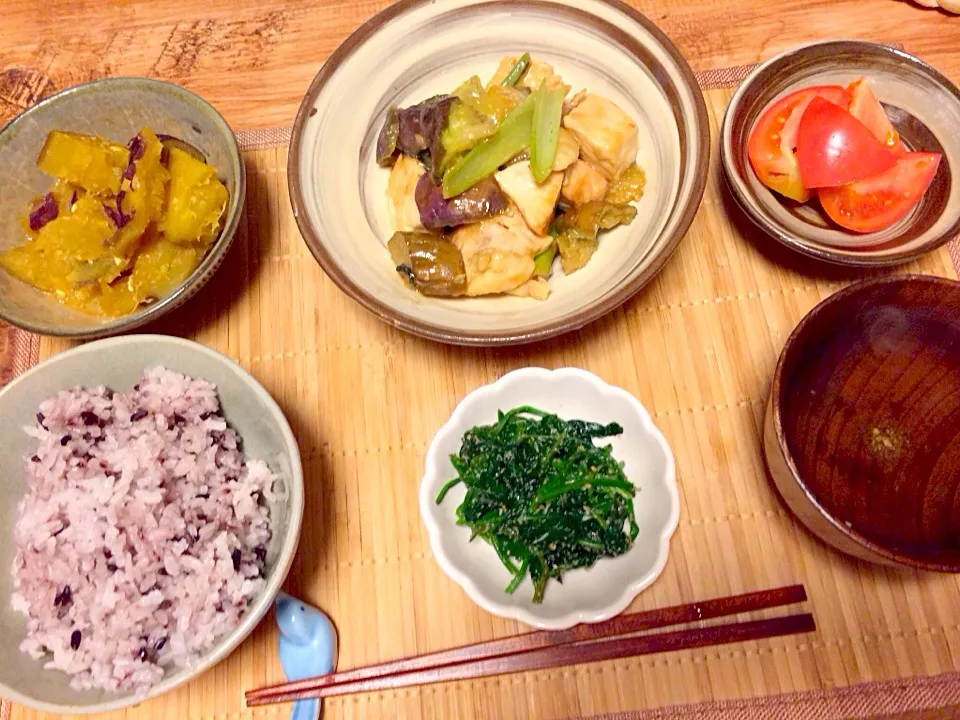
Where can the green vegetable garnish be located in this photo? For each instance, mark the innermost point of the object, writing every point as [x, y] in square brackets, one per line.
[465, 128]
[547, 109]
[517, 71]
[510, 138]
[576, 230]
[495, 102]
[543, 262]
[543, 495]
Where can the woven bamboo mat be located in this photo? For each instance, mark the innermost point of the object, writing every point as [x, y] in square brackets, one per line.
[697, 347]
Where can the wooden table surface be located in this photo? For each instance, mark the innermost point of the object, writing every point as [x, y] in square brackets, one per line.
[253, 59]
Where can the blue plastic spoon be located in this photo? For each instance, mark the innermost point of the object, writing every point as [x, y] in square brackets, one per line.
[307, 647]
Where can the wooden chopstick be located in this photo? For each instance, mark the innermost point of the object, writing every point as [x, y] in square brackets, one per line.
[560, 655]
[417, 670]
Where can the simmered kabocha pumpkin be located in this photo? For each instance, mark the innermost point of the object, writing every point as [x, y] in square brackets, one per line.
[142, 202]
[92, 163]
[122, 227]
[160, 268]
[62, 247]
[195, 203]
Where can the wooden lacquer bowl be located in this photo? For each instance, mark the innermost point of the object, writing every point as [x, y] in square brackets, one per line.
[862, 432]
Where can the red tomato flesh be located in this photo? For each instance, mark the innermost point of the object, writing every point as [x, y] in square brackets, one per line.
[834, 148]
[865, 107]
[878, 202]
[773, 140]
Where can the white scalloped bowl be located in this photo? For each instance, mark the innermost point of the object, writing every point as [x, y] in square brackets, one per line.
[589, 594]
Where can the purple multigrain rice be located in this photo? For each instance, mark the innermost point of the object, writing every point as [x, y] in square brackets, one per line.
[136, 502]
[62, 597]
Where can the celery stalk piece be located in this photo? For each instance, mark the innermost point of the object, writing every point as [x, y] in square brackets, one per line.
[511, 138]
[543, 262]
[547, 109]
[517, 71]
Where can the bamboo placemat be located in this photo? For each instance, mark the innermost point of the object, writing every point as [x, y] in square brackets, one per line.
[697, 347]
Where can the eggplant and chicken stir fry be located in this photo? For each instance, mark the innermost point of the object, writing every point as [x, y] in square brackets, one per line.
[490, 184]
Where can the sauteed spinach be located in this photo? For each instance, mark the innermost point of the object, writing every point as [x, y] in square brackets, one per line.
[543, 495]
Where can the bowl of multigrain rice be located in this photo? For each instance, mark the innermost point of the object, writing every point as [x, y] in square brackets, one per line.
[152, 507]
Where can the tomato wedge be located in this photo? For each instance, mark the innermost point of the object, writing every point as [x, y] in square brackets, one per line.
[773, 140]
[865, 107]
[834, 148]
[878, 202]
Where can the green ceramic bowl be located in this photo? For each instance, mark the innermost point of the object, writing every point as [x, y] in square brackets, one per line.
[116, 109]
[118, 363]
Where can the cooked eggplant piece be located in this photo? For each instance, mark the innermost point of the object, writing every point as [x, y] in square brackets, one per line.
[482, 201]
[430, 263]
[387, 149]
[419, 129]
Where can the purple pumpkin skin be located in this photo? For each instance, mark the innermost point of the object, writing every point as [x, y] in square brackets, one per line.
[46, 211]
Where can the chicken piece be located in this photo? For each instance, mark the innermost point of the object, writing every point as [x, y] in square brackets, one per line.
[537, 288]
[607, 136]
[401, 187]
[583, 183]
[568, 150]
[573, 101]
[537, 72]
[498, 253]
[536, 201]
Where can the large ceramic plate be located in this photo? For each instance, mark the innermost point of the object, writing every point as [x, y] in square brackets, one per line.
[418, 48]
